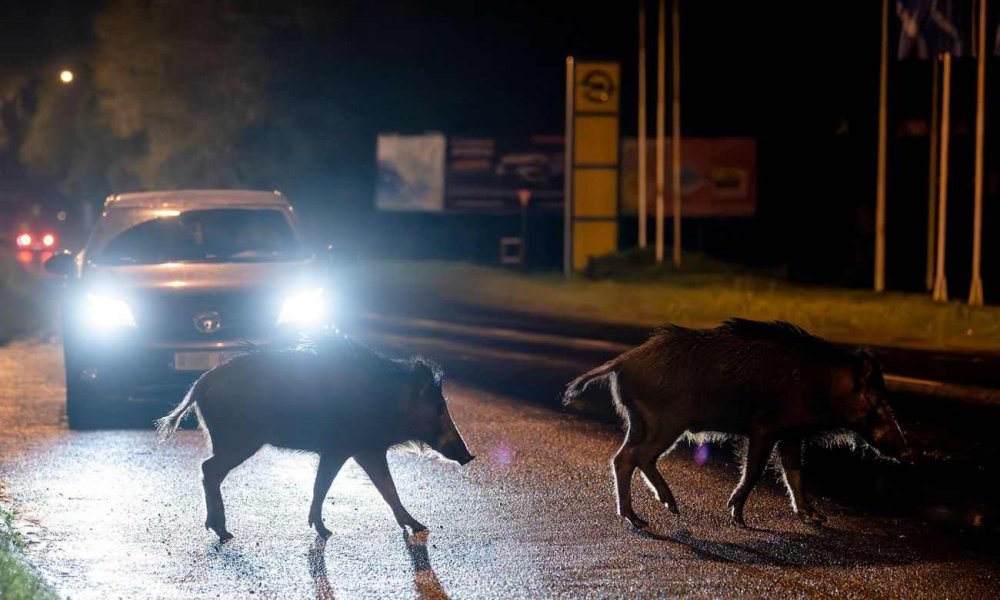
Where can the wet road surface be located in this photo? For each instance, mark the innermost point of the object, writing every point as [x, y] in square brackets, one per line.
[111, 514]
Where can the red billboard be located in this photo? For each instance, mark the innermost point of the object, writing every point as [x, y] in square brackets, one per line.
[718, 177]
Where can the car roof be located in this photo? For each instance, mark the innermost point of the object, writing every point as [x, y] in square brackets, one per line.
[182, 199]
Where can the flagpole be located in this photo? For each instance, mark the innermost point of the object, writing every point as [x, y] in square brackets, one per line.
[940, 293]
[661, 159]
[976, 288]
[675, 129]
[641, 137]
[932, 169]
[568, 168]
[880, 179]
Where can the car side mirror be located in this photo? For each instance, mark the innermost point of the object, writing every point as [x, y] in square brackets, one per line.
[60, 264]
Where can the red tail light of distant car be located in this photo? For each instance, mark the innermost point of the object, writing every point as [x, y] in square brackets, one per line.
[48, 240]
[24, 240]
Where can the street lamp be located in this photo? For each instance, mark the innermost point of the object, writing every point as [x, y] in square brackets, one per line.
[66, 76]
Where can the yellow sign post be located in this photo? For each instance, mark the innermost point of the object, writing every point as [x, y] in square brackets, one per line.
[591, 195]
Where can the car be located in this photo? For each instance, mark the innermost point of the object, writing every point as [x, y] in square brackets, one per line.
[35, 241]
[33, 229]
[171, 284]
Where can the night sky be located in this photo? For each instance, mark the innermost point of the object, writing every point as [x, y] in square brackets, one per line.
[473, 67]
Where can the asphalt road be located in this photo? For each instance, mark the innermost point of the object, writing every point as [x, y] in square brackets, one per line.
[111, 514]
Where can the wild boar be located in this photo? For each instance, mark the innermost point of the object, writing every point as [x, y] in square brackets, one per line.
[338, 399]
[771, 382]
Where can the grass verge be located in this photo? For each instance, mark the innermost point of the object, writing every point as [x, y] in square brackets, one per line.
[704, 298]
[17, 580]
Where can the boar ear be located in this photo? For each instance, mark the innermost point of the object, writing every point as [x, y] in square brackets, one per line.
[867, 368]
[425, 376]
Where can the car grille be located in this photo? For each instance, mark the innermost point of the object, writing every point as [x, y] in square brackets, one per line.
[240, 316]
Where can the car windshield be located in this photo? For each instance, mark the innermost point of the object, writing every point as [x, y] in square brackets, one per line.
[215, 235]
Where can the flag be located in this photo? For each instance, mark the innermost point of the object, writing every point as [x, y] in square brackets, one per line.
[931, 27]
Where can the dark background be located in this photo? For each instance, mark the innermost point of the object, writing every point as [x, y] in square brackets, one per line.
[801, 78]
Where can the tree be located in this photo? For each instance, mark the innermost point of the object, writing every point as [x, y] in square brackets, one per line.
[217, 93]
[67, 143]
[182, 81]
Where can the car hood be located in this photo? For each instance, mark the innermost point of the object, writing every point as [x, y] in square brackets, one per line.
[198, 277]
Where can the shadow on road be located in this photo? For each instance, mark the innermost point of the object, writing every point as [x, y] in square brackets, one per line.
[317, 569]
[229, 558]
[424, 578]
[825, 548]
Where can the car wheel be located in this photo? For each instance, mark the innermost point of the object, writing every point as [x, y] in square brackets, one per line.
[83, 409]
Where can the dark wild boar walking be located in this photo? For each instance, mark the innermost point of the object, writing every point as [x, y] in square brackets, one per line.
[772, 382]
[338, 399]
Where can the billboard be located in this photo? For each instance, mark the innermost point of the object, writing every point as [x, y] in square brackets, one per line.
[485, 174]
[434, 173]
[718, 177]
[410, 172]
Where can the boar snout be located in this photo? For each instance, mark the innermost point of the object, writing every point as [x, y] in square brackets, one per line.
[464, 460]
[449, 443]
[452, 446]
[457, 451]
[889, 440]
[908, 456]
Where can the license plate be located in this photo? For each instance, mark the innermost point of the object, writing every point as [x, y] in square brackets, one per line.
[199, 361]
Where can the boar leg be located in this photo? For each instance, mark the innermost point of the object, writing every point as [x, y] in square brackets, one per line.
[329, 466]
[791, 466]
[214, 470]
[625, 463]
[377, 468]
[758, 452]
[647, 456]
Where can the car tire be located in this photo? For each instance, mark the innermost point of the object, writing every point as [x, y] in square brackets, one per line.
[83, 409]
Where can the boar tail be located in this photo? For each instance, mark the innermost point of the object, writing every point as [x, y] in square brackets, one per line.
[166, 426]
[578, 385]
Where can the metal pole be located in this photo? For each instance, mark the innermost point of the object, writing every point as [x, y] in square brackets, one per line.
[880, 185]
[661, 159]
[976, 288]
[675, 129]
[940, 293]
[932, 169]
[524, 236]
[641, 137]
[568, 171]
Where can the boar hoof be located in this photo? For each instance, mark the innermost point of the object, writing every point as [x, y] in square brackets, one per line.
[320, 528]
[635, 521]
[416, 527]
[224, 536]
[812, 517]
[323, 531]
[672, 508]
[736, 517]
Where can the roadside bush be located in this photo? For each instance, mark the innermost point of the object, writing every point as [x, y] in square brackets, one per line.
[20, 311]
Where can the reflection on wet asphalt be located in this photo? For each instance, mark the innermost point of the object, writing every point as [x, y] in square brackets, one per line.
[113, 515]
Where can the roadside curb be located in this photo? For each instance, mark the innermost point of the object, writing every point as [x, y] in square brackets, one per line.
[13, 562]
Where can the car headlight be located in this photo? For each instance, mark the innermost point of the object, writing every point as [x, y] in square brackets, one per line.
[105, 313]
[309, 308]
